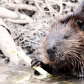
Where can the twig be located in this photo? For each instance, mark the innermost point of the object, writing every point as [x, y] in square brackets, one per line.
[20, 21]
[20, 6]
[38, 6]
[54, 11]
[28, 60]
[7, 13]
[61, 7]
[23, 19]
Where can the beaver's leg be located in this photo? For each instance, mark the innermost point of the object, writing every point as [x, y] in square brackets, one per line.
[36, 62]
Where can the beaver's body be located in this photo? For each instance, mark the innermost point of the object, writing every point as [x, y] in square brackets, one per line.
[63, 47]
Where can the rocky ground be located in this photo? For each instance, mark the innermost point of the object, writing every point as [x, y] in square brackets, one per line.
[29, 36]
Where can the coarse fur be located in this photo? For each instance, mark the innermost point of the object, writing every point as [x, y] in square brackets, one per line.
[63, 47]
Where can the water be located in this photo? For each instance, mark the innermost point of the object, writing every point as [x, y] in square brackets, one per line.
[20, 75]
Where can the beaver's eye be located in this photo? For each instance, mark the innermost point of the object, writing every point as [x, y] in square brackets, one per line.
[80, 24]
[66, 37]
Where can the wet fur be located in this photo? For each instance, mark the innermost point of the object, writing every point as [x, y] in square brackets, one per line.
[67, 36]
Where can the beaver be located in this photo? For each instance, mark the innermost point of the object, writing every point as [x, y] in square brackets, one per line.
[63, 47]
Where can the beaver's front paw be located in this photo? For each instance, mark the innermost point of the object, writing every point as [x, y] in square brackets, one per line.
[36, 62]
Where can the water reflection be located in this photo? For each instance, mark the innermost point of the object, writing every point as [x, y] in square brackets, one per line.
[20, 75]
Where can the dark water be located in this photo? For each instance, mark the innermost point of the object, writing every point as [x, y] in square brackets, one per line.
[19, 75]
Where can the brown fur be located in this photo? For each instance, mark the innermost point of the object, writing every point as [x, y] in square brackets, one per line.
[68, 39]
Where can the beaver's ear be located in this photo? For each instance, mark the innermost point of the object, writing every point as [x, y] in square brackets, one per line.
[80, 24]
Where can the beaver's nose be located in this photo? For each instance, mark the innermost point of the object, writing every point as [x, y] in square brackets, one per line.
[51, 50]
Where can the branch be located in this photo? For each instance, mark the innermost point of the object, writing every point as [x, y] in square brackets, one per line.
[5, 13]
[23, 19]
[10, 49]
[20, 6]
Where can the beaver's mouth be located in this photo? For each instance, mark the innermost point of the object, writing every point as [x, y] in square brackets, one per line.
[55, 58]
[58, 63]
[51, 58]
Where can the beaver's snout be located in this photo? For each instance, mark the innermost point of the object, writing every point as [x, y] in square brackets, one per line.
[51, 50]
[51, 53]
[54, 54]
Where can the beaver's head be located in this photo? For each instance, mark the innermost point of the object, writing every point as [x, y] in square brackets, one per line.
[64, 45]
